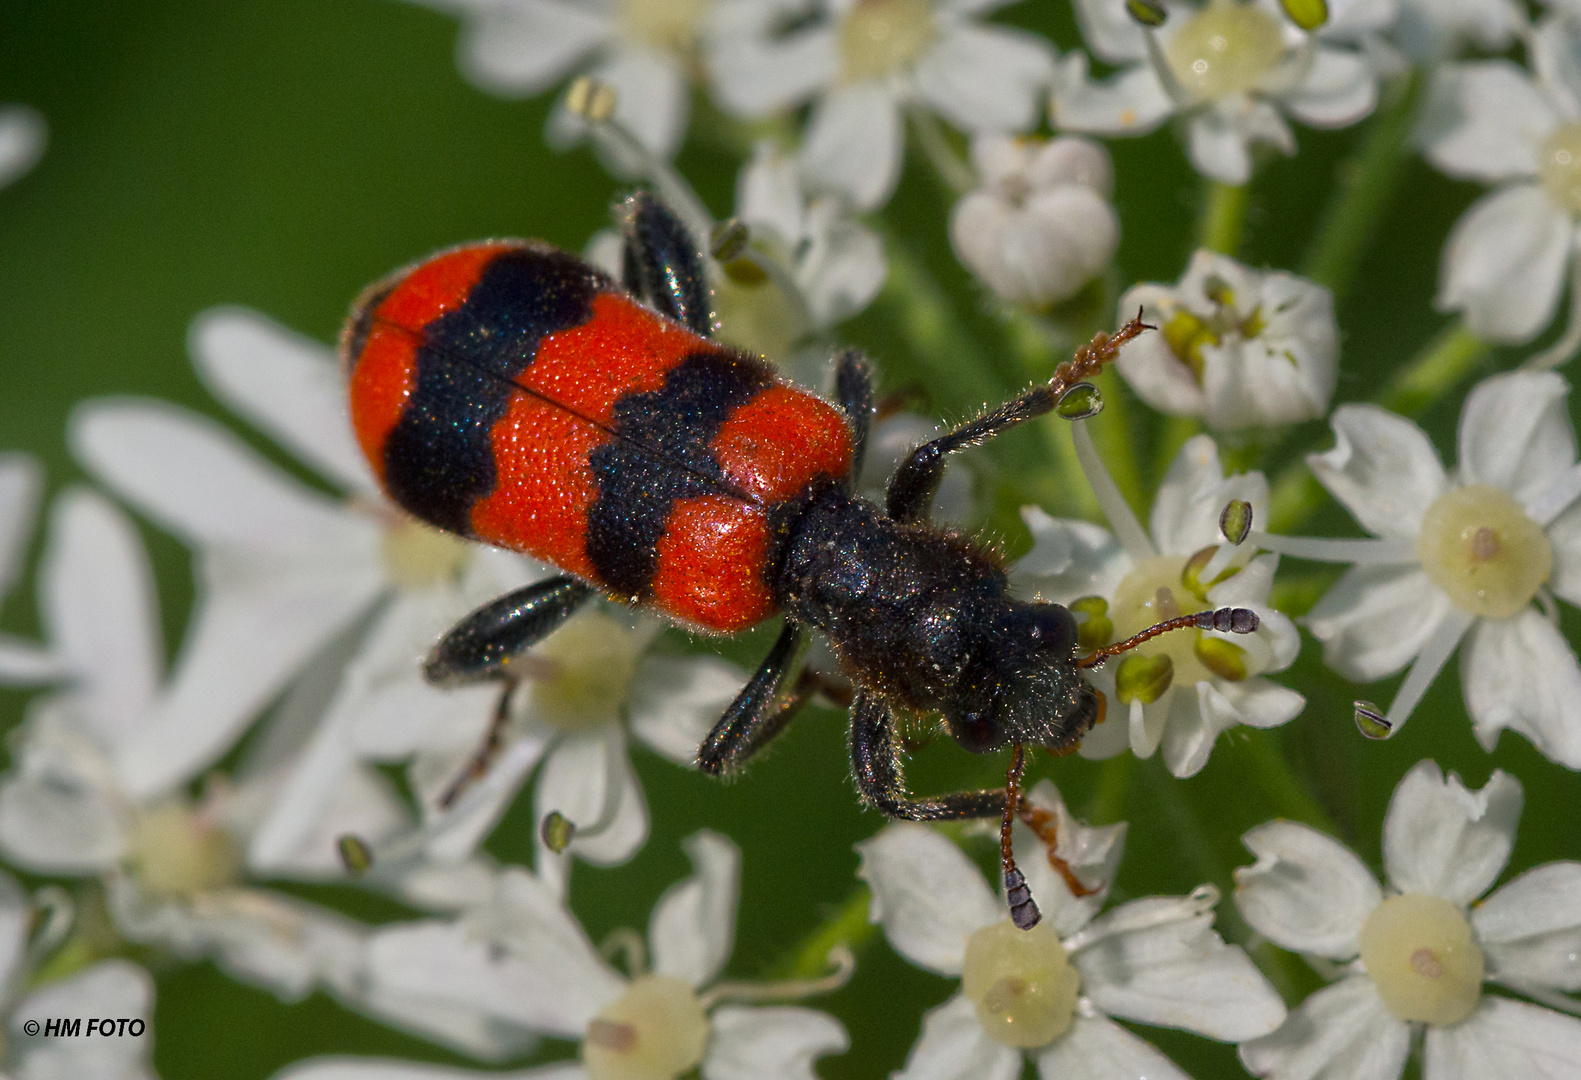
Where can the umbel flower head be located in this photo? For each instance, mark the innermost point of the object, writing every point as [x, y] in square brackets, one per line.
[1236, 347]
[1232, 69]
[1050, 993]
[1416, 954]
[1476, 554]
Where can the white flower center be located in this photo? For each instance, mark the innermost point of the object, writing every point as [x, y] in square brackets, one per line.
[1478, 545]
[1150, 593]
[586, 667]
[879, 36]
[1559, 167]
[419, 556]
[656, 1030]
[175, 851]
[1225, 49]
[670, 25]
[1021, 982]
[1419, 953]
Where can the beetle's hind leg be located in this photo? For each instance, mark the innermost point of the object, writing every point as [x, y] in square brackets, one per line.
[660, 263]
[482, 647]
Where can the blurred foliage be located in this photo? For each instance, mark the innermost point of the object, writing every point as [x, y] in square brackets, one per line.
[282, 153]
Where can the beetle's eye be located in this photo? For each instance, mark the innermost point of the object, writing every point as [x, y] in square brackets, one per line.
[974, 731]
[1053, 629]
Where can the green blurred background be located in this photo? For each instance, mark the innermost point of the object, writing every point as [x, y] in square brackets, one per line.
[280, 154]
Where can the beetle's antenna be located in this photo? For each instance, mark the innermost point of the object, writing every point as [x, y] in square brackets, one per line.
[1226, 620]
[1023, 909]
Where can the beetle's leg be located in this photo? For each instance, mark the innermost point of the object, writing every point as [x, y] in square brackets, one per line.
[1045, 826]
[753, 717]
[876, 766]
[853, 385]
[660, 263]
[482, 645]
[910, 494]
[489, 749]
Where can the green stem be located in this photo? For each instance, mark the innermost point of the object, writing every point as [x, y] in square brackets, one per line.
[952, 169]
[1365, 185]
[1114, 784]
[1286, 792]
[847, 925]
[1442, 365]
[1222, 219]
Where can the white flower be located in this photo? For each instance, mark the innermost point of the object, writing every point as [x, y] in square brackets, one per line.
[20, 483]
[810, 264]
[1429, 29]
[1460, 555]
[867, 61]
[1230, 68]
[22, 137]
[1051, 991]
[1236, 347]
[1416, 956]
[173, 868]
[522, 959]
[1040, 226]
[1183, 688]
[1504, 263]
[642, 49]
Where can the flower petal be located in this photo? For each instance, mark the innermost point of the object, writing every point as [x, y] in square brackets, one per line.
[21, 480]
[954, 1046]
[1485, 120]
[1442, 840]
[1504, 264]
[588, 778]
[1219, 139]
[99, 609]
[1306, 892]
[651, 101]
[23, 134]
[1092, 852]
[1159, 961]
[1342, 1032]
[1132, 102]
[1376, 619]
[1340, 88]
[693, 926]
[770, 1044]
[985, 78]
[1383, 468]
[290, 386]
[1110, 32]
[1069, 559]
[754, 72]
[927, 895]
[1520, 673]
[852, 144]
[1515, 433]
[1530, 928]
[676, 701]
[114, 988]
[523, 48]
[1504, 1040]
[1096, 1048]
[59, 810]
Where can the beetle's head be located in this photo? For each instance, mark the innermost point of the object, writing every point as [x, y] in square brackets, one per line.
[1023, 686]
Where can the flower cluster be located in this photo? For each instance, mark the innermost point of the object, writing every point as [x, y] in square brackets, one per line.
[306, 742]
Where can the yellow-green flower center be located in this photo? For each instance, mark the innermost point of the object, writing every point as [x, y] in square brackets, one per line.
[586, 668]
[1478, 545]
[670, 25]
[175, 851]
[1559, 167]
[1021, 983]
[1419, 953]
[418, 556]
[880, 36]
[1225, 49]
[656, 1030]
[1154, 591]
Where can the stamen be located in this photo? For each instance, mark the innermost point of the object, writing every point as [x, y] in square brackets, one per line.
[671, 187]
[842, 963]
[627, 944]
[1127, 529]
[1429, 662]
[1371, 551]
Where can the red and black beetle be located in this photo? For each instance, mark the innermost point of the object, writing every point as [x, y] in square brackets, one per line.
[512, 393]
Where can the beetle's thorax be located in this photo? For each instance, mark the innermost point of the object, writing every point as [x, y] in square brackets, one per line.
[901, 605]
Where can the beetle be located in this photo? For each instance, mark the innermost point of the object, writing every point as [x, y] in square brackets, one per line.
[512, 393]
